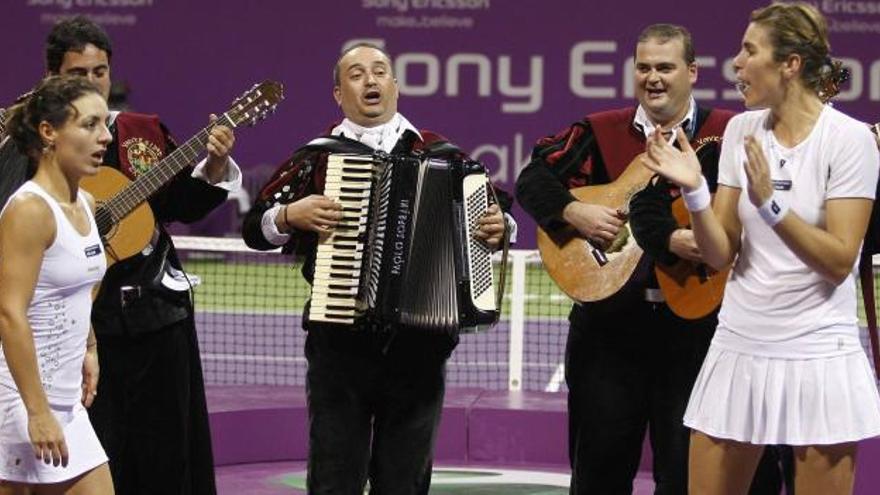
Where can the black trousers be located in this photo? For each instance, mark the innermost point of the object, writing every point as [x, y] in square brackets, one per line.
[374, 405]
[630, 369]
[150, 413]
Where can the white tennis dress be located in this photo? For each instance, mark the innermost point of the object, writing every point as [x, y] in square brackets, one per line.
[786, 365]
[59, 316]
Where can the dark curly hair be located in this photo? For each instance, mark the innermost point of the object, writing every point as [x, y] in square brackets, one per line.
[73, 34]
[52, 102]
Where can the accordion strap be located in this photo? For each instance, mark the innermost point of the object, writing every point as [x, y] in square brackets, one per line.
[505, 248]
[337, 144]
[440, 149]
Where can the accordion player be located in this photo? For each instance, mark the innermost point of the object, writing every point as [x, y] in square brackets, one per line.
[403, 252]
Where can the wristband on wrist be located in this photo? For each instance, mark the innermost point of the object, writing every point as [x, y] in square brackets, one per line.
[697, 199]
[773, 210]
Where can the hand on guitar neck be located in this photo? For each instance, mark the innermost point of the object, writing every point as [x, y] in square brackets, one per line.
[597, 223]
[220, 142]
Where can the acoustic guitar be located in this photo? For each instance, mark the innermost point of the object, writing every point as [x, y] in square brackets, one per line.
[583, 270]
[692, 289]
[124, 218]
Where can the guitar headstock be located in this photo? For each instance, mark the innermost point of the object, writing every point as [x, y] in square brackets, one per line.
[255, 104]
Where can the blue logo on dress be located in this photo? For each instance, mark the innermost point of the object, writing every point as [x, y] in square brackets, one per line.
[93, 250]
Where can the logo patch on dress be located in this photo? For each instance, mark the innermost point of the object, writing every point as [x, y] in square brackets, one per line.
[142, 154]
[781, 184]
[93, 250]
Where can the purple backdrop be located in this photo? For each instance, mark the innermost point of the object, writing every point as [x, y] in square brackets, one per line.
[491, 76]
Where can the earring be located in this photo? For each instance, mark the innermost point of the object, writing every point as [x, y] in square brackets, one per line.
[50, 146]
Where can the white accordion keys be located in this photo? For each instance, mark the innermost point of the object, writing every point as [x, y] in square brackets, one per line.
[340, 254]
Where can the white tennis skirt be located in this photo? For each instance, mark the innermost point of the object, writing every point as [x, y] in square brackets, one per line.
[768, 401]
[17, 460]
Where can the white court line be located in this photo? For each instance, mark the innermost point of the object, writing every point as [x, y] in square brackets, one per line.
[557, 379]
[213, 356]
[446, 476]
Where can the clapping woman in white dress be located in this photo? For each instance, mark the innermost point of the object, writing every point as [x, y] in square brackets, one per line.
[795, 189]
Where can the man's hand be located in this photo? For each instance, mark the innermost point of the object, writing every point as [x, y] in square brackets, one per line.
[90, 372]
[683, 244]
[490, 227]
[315, 213]
[595, 222]
[220, 142]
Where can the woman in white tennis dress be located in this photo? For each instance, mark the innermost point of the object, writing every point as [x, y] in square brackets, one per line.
[50, 259]
[796, 183]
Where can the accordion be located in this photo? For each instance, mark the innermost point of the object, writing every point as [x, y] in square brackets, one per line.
[403, 252]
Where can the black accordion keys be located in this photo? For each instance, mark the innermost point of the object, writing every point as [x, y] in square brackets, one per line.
[404, 251]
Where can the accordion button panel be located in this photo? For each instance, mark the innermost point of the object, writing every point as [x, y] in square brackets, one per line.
[340, 254]
[479, 256]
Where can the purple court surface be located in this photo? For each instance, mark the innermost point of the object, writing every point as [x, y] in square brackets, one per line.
[490, 442]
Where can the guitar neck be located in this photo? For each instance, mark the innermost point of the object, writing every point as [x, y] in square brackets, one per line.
[142, 188]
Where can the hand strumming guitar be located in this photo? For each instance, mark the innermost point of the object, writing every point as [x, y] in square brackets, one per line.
[597, 223]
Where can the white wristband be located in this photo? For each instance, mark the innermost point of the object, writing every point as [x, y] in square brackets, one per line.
[773, 210]
[698, 199]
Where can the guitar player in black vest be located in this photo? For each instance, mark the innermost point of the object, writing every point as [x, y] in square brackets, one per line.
[630, 363]
[150, 415]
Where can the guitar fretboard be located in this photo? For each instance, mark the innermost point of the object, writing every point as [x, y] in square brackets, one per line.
[145, 185]
[2, 122]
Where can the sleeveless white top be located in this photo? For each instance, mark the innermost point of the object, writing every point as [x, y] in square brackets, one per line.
[60, 311]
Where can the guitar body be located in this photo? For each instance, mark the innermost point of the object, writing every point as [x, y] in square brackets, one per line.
[587, 273]
[692, 290]
[123, 237]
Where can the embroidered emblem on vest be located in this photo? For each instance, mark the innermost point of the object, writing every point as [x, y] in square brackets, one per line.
[706, 140]
[142, 154]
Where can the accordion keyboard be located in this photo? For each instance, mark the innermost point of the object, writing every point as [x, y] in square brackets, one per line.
[341, 254]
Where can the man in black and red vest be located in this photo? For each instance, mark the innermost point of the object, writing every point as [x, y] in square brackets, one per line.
[375, 391]
[630, 363]
[150, 415]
